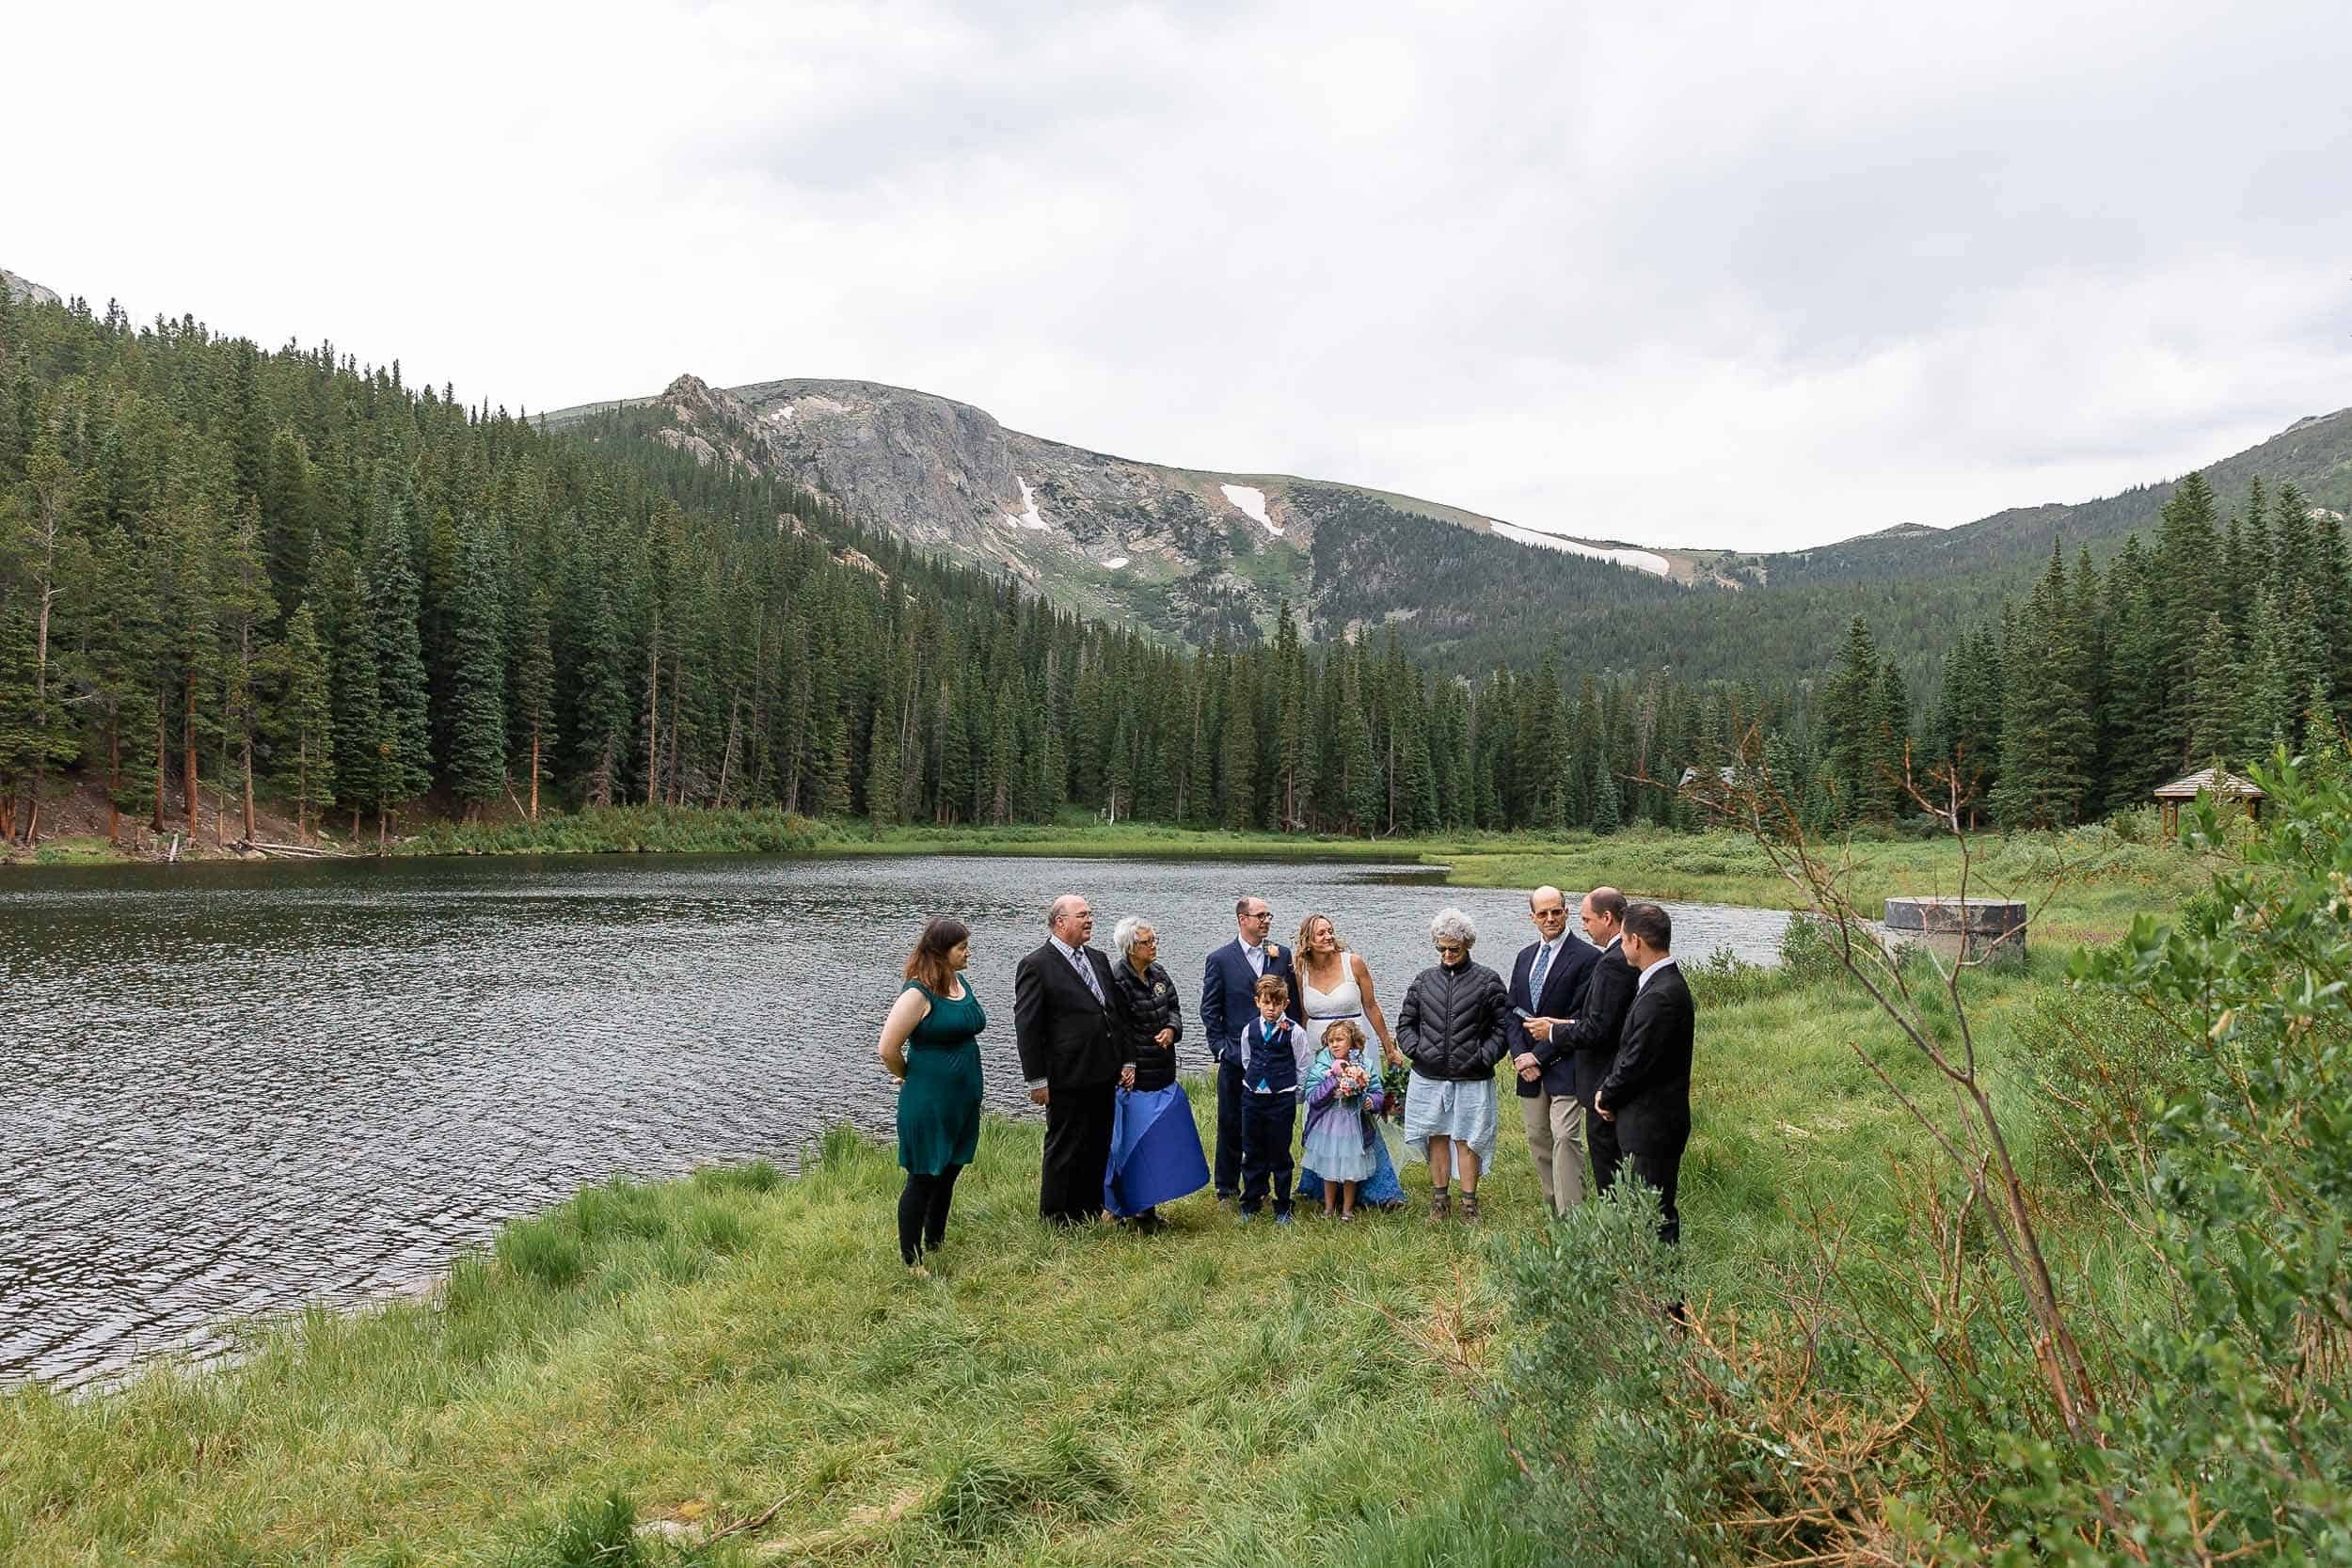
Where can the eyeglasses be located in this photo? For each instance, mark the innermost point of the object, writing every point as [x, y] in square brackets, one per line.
[1452, 947]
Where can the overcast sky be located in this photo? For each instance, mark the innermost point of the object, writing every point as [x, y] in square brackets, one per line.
[1676, 274]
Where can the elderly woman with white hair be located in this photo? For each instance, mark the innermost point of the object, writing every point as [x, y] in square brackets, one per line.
[1156, 1156]
[1454, 1027]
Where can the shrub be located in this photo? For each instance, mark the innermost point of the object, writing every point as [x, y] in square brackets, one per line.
[1946, 1382]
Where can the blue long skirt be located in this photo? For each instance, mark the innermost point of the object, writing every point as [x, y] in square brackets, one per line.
[1155, 1151]
[1381, 1189]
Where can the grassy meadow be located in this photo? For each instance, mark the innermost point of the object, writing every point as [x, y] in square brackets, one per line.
[698, 1351]
[739, 1359]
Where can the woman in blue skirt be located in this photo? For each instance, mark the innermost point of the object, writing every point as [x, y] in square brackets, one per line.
[1156, 1149]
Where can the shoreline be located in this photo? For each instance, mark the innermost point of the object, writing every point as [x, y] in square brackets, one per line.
[2099, 878]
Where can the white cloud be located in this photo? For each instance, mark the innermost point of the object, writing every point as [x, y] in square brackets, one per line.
[1705, 275]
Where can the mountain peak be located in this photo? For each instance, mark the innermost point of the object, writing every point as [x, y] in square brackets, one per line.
[25, 288]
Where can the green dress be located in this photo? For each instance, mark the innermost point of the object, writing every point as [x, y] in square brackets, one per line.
[939, 1104]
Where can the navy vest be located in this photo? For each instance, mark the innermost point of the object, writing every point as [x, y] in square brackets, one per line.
[1268, 1061]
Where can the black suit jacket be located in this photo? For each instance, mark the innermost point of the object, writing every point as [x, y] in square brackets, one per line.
[1650, 1088]
[1065, 1036]
[1564, 992]
[1591, 1042]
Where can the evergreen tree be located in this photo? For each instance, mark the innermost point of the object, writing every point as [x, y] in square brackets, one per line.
[1607, 817]
[1238, 761]
[534, 695]
[302, 718]
[404, 757]
[2274, 686]
[600, 716]
[881, 770]
[2045, 729]
[477, 750]
[2216, 696]
[246, 608]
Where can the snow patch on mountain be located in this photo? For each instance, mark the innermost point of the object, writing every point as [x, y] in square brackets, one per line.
[1029, 516]
[1251, 503]
[1640, 561]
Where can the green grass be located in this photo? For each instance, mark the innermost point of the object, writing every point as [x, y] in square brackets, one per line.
[2084, 886]
[709, 1346]
[705, 1347]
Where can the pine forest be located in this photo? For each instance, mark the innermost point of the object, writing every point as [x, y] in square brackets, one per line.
[230, 575]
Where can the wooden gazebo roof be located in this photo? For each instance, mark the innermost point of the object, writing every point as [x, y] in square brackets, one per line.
[2210, 780]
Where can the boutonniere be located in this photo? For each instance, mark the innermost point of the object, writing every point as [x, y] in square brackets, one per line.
[1272, 949]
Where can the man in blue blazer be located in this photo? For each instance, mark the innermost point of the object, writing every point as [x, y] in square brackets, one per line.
[1227, 1006]
[1547, 982]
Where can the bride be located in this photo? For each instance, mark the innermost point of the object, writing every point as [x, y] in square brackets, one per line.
[1334, 984]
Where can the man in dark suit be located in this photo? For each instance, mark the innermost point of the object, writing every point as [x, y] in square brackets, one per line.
[1647, 1092]
[1548, 981]
[1587, 1040]
[1228, 1005]
[1068, 1023]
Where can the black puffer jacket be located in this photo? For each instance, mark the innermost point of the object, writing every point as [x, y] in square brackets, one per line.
[1152, 1006]
[1456, 1022]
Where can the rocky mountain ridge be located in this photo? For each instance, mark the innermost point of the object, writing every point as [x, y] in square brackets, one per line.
[25, 288]
[1184, 551]
[1189, 554]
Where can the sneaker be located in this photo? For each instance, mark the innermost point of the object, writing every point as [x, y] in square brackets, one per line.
[1469, 1207]
[1283, 1218]
[1439, 1201]
[1243, 1217]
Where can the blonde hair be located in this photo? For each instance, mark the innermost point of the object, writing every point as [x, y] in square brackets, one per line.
[1304, 955]
[1348, 1026]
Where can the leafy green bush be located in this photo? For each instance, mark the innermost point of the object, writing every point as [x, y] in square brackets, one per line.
[1955, 1381]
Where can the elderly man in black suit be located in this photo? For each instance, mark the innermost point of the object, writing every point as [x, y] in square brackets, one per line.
[1069, 1024]
[1547, 982]
[1647, 1092]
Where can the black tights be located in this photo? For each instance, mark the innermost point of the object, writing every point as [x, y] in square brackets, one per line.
[923, 1212]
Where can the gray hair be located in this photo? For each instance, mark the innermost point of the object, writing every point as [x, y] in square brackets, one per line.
[1452, 925]
[1123, 935]
[1053, 909]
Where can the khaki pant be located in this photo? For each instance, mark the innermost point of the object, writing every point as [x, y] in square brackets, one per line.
[1555, 1137]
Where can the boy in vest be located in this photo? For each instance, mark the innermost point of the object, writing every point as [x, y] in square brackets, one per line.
[1273, 1055]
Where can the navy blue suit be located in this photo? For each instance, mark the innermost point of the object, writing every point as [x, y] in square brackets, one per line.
[1228, 1005]
[1564, 996]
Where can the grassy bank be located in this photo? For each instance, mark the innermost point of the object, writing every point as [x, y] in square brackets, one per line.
[2093, 880]
[705, 1348]
[708, 1347]
[2084, 885]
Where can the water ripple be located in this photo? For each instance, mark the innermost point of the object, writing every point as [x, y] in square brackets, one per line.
[238, 1089]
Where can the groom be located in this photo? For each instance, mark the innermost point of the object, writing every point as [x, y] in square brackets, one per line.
[1227, 1006]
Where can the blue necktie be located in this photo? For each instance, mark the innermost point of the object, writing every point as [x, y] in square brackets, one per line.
[1535, 981]
[1086, 973]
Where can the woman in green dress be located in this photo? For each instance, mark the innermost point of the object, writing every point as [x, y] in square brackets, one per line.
[930, 1042]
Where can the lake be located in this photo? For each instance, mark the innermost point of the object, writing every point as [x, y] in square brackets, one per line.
[238, 1088]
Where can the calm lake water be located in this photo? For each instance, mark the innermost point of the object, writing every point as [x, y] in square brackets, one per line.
[235, 1089]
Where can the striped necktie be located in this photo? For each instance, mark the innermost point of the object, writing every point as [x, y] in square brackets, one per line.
[1086, 973]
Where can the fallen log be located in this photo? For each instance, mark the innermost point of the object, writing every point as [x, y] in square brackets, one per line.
[302, 851]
